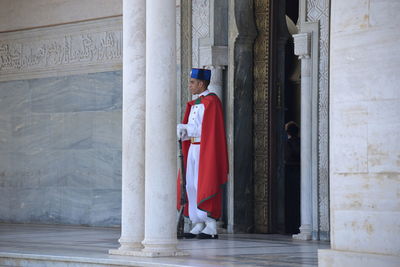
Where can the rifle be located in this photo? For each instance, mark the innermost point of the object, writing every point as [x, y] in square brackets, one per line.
[183, 200]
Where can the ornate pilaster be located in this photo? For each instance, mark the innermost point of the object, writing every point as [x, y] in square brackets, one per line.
[262, 118]
[302, 49]
[186, 52]
[319, 11]
[315, 17]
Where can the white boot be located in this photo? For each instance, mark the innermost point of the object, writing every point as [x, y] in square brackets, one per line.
[211, 227]
[197, 228]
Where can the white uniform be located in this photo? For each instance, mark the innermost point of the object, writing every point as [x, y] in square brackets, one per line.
[193, 128]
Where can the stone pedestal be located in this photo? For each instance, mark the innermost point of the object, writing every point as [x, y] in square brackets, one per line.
[132, 223]
[302, 49]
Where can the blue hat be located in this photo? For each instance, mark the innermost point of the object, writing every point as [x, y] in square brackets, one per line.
[201, 74]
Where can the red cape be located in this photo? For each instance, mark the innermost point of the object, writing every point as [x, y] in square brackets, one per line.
[213, 165]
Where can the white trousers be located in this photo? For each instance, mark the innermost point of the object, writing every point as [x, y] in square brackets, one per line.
[192, 174]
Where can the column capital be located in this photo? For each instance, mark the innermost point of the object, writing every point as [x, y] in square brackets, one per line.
[215, 67]
[302, 44]
[213, 56]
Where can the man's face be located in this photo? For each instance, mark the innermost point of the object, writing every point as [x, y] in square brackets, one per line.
[196, 86]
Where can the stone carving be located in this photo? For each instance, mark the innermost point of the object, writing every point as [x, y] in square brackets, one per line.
[302, 45]
[200, 27]
[318, 10]
[70, 49]
[261, 134]
[46, 52]
[185, 51]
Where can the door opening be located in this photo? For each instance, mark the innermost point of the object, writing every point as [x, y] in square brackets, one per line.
[285, 187]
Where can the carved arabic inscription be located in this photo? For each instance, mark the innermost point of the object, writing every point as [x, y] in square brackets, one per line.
[94, 47]
[84, 47]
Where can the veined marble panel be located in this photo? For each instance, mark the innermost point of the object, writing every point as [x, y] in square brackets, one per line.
[75, 205]
[108, 169]
[40, 205]
[105, 207]
[73, 130]
[77, 93]
[105, 124]
[14, 97]
[60, 149]
[15, 172]
[83, 47]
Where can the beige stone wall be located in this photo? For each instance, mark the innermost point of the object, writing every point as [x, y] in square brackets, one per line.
[365, 134]
[23, 14]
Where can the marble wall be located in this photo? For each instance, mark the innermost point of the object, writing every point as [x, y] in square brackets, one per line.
[16, 15]
[364, 131]
[60, 149]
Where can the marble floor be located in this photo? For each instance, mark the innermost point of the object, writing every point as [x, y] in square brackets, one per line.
[54, 245]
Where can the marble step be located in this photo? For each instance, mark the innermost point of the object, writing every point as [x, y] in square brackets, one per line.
[33, 260]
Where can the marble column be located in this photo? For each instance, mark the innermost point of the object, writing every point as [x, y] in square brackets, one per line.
[161, 142]
[302, 43]
[134, 49]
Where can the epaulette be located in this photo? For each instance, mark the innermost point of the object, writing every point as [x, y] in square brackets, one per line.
[198, 100]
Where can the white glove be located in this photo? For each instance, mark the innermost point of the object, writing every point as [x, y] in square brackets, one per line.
[181, 131]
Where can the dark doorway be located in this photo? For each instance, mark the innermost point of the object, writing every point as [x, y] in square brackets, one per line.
[285, 182]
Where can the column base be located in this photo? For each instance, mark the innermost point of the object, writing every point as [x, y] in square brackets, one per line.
[124, 251]
[302, 236]
[160, 248]
[150, 254]
[305, 233]
[336, 258]
[126, 246]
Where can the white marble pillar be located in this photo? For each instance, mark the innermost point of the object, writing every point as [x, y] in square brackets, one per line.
[134, 48]
[161, 142]
[302, 49]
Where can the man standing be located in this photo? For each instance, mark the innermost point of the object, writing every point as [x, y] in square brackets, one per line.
[205, 156]
[292, 178]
